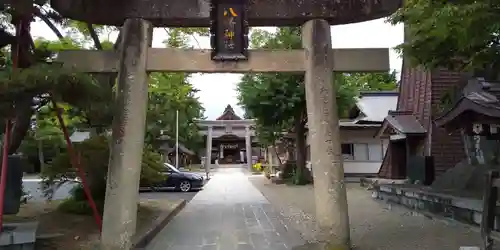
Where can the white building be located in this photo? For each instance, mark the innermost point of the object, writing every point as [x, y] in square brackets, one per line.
[363, 153]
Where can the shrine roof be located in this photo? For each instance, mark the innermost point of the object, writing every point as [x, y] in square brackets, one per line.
[403, 122]
[229, 114]
[196, 13]
[479, 101]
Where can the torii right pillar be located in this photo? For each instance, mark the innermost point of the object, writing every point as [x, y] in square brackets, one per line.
[329, 187]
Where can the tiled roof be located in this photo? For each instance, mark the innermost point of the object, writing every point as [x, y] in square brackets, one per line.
[374, 106]
[403, 122]
[478, 96]
[229, 114]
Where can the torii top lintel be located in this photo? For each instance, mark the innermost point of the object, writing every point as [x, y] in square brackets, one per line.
[196, 13]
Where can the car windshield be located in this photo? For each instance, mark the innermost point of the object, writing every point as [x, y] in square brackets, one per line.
[172, 168]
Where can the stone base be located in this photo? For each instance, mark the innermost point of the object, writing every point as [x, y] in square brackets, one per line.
[371, 182]
[464, 178]
[429, 202]
[277, 180]
[18, 236]
[320, 246]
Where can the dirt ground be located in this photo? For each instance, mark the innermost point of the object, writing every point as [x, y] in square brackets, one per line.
[375, 225]
[79, 232]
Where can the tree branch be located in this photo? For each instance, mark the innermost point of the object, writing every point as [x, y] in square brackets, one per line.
[118, 39]
[196, 40]
[94, 36]
[49, 23]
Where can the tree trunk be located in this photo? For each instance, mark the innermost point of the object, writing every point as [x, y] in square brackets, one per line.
[301, 175]
[23, 108]
[22, 123]
[277, 155]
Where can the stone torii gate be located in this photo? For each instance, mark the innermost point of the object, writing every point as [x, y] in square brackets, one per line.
[136, 58]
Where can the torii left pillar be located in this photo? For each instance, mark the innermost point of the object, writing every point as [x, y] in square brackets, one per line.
[129, 124]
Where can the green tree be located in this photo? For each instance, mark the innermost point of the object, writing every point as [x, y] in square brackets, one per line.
[380, 81]
[277, 101]
[86, 102]
[460, 34]
[169, 93]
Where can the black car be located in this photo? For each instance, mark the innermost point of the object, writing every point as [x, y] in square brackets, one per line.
[178, 180]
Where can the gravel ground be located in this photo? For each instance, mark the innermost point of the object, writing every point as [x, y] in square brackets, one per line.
[375, 225]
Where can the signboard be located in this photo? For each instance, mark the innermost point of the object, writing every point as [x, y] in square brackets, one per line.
[228, 30]
[229, 146]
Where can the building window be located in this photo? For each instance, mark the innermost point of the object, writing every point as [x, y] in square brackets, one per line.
[375, 152]
[308, 153]
[362, 151]
[348, 151]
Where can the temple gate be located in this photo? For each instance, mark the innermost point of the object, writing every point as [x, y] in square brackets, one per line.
[229, 138]
[136, 58]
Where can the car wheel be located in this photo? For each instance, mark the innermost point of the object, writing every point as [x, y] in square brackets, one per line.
[155, 188]
[185, 186]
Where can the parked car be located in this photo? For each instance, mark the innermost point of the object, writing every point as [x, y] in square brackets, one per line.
[178, 180]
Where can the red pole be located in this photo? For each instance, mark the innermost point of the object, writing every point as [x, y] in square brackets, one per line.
[76, 163]
[5, 159]
[6, 137]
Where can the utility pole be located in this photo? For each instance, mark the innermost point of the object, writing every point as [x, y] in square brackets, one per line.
[177, 139]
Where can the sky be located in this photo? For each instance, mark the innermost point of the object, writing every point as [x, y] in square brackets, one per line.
[219, 90]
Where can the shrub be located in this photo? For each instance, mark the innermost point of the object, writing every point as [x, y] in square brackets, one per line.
[74, 206]
[94, 158]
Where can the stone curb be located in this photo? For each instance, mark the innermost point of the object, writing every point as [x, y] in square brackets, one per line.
[159, 223]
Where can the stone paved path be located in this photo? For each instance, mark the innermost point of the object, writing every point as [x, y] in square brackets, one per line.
[228, 214]
[375, 225]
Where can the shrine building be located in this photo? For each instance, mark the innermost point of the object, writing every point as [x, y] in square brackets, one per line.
[230, 137]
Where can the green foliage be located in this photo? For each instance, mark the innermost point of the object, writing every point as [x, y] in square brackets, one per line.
[457, 34]
[298, 179]
[180, 37]
[77, 203]
[42, 79]
[381, 81]
[94, 158]
[168, 93]
[275, 100]
[52, 47]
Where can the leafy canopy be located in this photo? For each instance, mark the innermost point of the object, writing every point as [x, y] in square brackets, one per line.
[459, 34]
[277, 100]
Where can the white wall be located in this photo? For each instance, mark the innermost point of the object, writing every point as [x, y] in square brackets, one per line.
[362, 139]
[358, 167]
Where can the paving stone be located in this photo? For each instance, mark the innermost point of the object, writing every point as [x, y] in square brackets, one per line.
[209, 247]
[374, 224]
[259, 241]
[245, 247]
[228, 214]
[211, 237]
[242, 236]
[278, 246]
